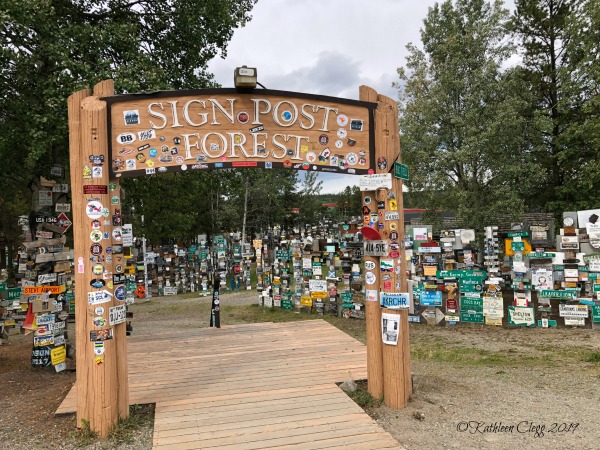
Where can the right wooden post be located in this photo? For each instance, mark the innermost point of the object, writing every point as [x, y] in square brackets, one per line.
[394, 360]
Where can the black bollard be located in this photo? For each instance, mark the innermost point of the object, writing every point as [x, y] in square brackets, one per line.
[215, 314]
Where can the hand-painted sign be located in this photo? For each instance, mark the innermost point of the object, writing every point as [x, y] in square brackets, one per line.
[225, 128]
[521, 316]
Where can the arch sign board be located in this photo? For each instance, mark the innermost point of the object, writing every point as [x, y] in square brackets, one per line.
[225, 128]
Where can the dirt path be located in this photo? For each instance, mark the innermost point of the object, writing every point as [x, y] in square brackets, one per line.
[475, 387]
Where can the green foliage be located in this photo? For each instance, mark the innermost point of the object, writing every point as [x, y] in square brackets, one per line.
[50, 49]
[553, 67]
[462, 134]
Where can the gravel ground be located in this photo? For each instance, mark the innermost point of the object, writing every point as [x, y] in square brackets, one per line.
[475, 387]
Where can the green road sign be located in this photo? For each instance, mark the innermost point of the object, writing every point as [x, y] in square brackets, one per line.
[518, 234]
[401, 171]
[471, 317]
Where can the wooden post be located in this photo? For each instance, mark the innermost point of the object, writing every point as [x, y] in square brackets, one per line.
[372, 308]
[395, 358]
[102, 386]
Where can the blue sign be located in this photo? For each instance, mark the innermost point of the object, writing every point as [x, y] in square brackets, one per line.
[395, 300]
[431, 298]
[120, 293]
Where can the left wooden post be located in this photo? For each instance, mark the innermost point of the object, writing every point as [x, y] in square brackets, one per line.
[101, 351]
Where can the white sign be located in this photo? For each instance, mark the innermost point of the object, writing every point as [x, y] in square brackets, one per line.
[63, 207]
[374, 182]
[575, 321]
[395, 300]
[393, 215]
[127, 235]
[306, 263]
[493, 307]
[390, 328]
[47, 278]
[594, 265]
[45, 198]
[522, 316]
[95, 298]
[376, 248]
[317, 285]
[117, 314]
[572, 311]
[45, 319]
[171, 290]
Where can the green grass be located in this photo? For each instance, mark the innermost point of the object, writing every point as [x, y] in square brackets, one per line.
[124, 432]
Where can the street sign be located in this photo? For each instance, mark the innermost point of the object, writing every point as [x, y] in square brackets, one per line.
[400, 171]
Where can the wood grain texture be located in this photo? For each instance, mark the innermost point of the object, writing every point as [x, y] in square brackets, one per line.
[251, 386]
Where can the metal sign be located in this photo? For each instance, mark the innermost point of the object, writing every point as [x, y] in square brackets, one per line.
[375, 248]
[401, 171]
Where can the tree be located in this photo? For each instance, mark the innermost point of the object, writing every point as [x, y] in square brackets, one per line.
[49, 49]
[560, 47]
[462, 132]
[308, 201]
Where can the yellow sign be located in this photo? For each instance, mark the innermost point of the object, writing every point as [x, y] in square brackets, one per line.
[319, 294]
[257, 243]
[510, 252]
[32, 290]
[206, 129]
[496, 321]
[393, 205]
[305, 301]
[58, 355]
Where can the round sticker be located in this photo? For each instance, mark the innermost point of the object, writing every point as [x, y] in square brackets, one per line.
[323, 139]
[119, 268]
[393, 226]
[394, 235]
[370, 278]
[370, 265]
[105, 212]
[97, 269]
[311, 157]
[120, 293]
[96, 249]
[152, 152]
[95, 224]
[243, 117]
[99, 310]
[339, 144]
[96, 235]
[286, 115]
[342, 120]
[184, 167]
[342, 133]
[94, 209]
[352, 158]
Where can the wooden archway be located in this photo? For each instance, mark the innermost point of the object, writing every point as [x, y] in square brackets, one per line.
[111, 137]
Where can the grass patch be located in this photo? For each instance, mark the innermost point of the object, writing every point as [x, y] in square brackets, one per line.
[362, 397]
[592, 357]
[125, 432]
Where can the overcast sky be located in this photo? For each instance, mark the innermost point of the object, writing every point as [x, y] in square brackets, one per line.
[327, 47]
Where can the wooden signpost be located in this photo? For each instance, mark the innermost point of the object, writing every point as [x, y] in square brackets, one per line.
[141, 135]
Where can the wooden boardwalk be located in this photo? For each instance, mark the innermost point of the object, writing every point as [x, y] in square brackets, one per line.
[256, 386]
